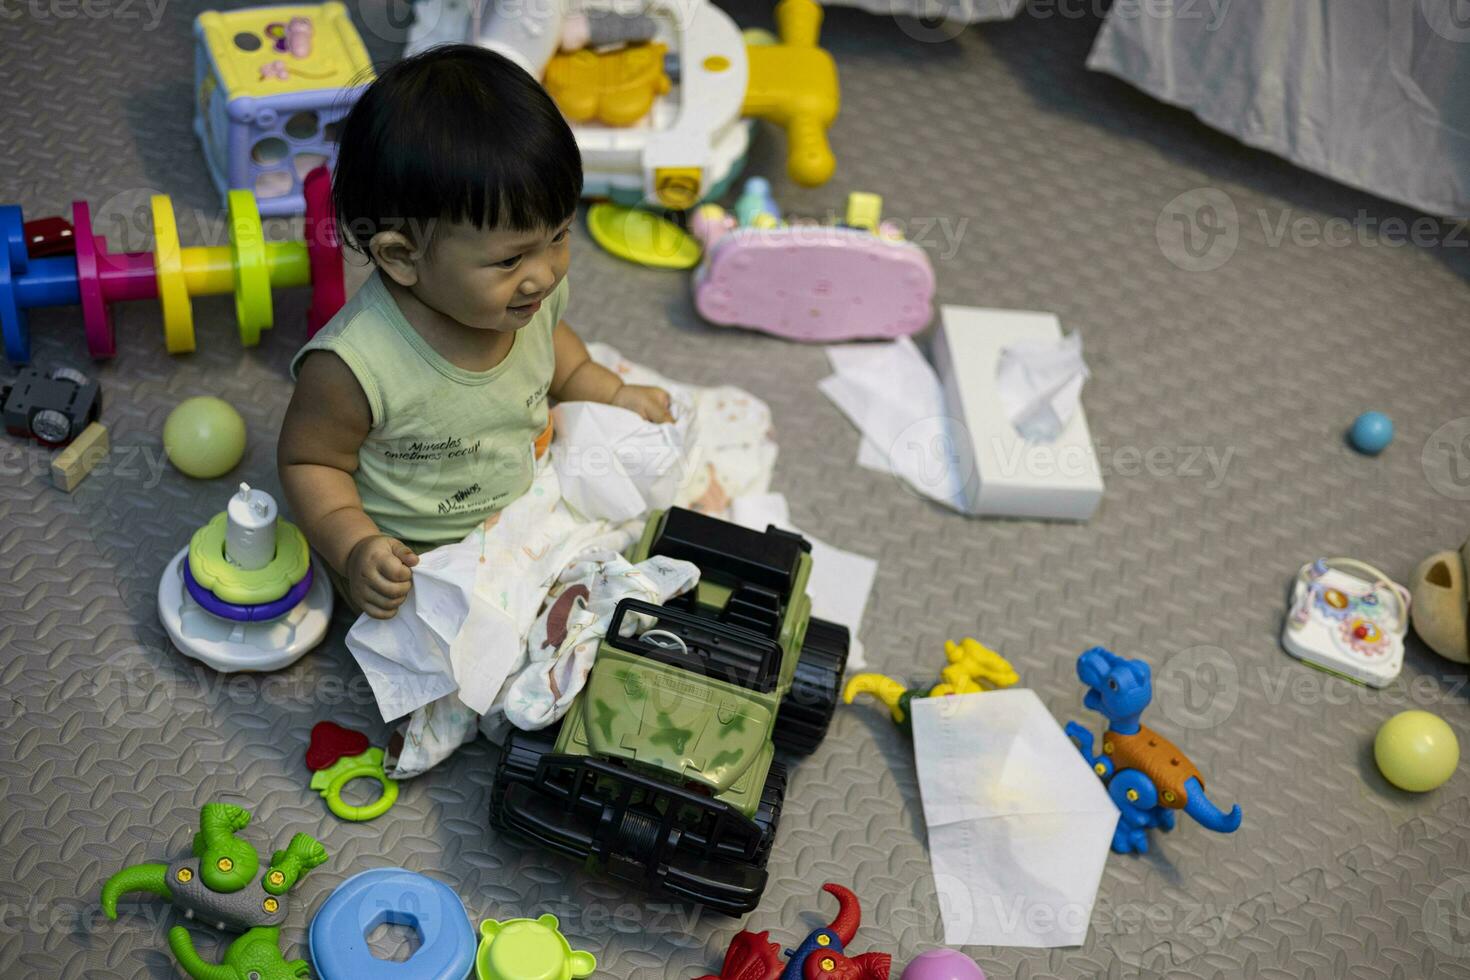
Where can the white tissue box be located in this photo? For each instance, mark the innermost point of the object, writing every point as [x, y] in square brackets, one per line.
[1004, 475]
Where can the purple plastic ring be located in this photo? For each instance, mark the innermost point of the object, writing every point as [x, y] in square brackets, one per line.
[261, 613]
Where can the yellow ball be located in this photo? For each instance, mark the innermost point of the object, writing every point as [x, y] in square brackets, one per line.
[204, 437]
[1416, 751]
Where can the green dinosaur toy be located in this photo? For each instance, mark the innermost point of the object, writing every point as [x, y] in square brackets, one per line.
[218, 884]
[254, 956]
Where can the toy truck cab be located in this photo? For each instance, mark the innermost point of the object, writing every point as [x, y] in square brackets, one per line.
[665, 771]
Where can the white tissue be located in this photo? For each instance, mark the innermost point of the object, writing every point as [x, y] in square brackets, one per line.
[614, 465]
[1040, 385]
[1019, 826]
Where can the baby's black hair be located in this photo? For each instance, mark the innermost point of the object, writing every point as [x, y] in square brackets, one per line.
[456, 133]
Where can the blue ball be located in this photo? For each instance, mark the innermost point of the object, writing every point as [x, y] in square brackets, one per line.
[1371, 433]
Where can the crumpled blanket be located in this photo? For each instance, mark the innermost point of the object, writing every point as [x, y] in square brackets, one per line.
[579, 610]
[445, 659]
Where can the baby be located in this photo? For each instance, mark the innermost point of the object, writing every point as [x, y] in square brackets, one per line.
[420, 409]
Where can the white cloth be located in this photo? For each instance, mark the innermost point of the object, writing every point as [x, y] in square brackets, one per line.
[730, 449]
[564, 641]
[1019, 825]
[1374, 94]
[446, 657]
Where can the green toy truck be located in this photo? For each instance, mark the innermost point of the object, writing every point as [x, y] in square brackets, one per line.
[667, 771]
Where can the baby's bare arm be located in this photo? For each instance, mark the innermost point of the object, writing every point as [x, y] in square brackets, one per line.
[325, 426]
[578, 378]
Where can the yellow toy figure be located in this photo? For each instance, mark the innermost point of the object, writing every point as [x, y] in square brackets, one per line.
[972, 667]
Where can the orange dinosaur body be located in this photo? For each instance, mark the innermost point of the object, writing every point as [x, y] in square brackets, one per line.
[1157, 758]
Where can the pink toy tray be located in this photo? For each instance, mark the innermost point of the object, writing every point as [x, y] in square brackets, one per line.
[816, 284]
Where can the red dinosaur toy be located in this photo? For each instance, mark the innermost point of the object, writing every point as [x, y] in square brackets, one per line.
[752, 955]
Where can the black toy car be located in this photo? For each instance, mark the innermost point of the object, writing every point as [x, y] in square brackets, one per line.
[52, 408]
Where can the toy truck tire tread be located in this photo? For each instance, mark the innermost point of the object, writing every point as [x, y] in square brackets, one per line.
[520, 807]
[806, 711]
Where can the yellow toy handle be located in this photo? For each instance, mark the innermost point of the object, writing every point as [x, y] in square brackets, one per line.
[809, 158]
[799, 22]
[794, 85]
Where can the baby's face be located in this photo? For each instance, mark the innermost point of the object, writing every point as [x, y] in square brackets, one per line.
[492, 279]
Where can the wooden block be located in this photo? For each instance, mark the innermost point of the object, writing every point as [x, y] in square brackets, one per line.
[73, 463]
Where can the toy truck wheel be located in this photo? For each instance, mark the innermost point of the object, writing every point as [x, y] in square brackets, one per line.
[768, 814]
[806, 711]
[51, 427]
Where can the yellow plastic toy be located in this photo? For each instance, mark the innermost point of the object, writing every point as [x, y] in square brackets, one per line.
[615, 88]
[641, 236]
[972, 667]
[794, 85]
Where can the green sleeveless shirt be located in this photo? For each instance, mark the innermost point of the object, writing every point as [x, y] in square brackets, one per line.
[448, 447]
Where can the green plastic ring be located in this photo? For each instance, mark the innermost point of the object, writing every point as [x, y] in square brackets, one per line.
[231, 583]
[369, 811]
[252, 272]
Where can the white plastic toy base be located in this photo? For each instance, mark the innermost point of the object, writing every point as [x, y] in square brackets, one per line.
[1327, 607]
[696, 126]
[231, 647]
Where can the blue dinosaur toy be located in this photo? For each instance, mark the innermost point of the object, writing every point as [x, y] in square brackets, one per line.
[1147, 776]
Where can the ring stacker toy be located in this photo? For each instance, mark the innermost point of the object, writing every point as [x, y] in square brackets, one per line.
[246, 593]
[94, 278]
[218, 885]
[1349, 619]
[818, 283]
[529, 949]
[392, 896]
[337, 756]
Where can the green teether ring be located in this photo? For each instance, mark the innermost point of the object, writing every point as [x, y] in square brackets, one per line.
[252, 272]
[369, 765]
[230, 583]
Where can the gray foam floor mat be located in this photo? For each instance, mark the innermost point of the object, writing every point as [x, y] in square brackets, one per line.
[1037, 186]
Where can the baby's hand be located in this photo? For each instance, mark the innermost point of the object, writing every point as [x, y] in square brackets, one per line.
[651, 403]
[379, 576]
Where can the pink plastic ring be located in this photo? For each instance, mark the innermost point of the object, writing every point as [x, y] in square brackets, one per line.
[323, 251]
[96, 317]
